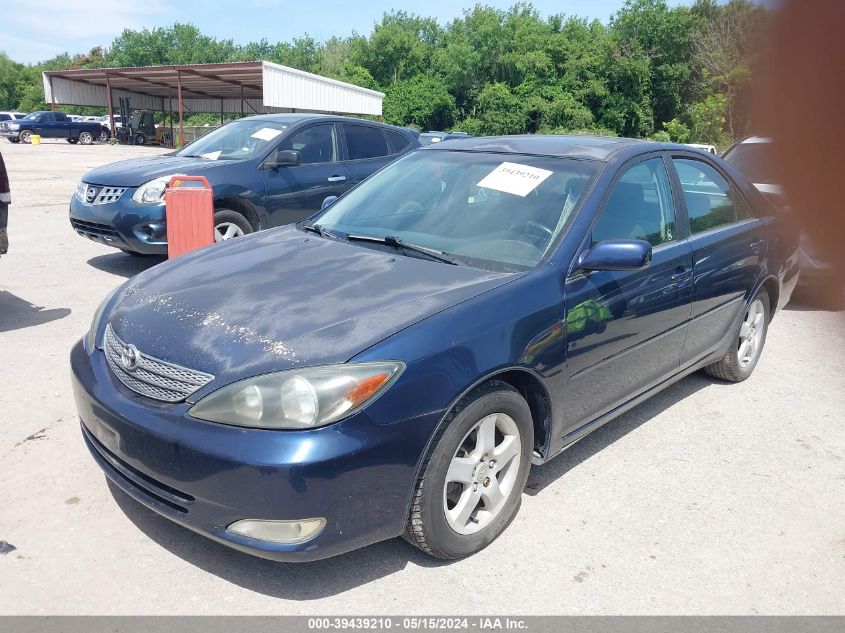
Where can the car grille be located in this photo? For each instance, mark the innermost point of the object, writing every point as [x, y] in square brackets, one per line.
[97, 194]
[97, 232]
[150, 376]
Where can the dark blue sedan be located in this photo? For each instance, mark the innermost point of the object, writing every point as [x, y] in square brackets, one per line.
[397, 363]
[266, 171]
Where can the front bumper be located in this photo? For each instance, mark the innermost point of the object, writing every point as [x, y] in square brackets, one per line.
[358, 474]
[9, 133]
[124, 224]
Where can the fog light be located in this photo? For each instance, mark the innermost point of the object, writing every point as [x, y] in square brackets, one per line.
[279, 531]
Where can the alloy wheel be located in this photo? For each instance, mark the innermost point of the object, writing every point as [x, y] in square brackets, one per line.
[751, 333]
[227, 231]
[482, 473]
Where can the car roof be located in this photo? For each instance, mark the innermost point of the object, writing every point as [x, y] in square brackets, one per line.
[295, 117]
[562, 146]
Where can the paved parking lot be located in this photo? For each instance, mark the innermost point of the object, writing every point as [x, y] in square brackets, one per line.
[711, 498]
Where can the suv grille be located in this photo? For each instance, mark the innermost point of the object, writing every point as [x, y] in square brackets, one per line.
[150, 376]
[96, 194]
[97, 232]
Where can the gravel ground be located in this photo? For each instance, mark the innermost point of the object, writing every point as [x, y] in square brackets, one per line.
[709, 499]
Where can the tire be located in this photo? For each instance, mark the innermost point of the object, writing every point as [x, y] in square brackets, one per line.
[14, 140]
[104, 136]
[428, 526]
[737, 365]
[86, 138]
[139, 139]
[72, 141]
[229, 224]
[25, 136]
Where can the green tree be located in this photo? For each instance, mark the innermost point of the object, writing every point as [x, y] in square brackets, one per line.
[422, 101]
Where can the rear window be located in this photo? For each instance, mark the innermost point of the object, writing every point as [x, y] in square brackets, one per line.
[754, 161]
[365, 142]
[399, 142]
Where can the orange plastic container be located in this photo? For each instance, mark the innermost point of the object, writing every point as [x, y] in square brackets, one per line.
[190, 214]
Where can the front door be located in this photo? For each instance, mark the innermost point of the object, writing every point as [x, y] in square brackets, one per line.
[294, 193]
[625, 329]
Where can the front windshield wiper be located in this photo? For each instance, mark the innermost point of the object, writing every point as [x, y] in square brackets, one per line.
[321, 231]
[392, 240]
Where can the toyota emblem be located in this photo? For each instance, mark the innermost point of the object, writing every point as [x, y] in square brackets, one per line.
[129, 357]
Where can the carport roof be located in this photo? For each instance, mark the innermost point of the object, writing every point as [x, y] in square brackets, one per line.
[261, 83]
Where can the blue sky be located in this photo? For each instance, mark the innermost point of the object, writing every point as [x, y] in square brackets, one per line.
[40, 29]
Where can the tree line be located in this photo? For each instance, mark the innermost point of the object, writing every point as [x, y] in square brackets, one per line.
[670, 73]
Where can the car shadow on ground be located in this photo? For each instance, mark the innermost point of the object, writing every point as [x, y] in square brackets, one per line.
[124, 264]
[319, 579]
[17, 313]
[817, 299]
[542, 476]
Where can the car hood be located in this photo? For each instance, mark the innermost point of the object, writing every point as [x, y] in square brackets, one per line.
[281, 299]
[136, 171]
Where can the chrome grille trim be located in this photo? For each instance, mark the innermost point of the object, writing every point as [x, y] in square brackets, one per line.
[153, 378]
[96, 194]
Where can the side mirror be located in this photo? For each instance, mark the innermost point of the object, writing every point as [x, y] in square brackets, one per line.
[616, 255]
[329, 201]
[283, 158]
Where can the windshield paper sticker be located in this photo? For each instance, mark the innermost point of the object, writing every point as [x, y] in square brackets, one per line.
[520, 180]
[211, 155]
[266, 134]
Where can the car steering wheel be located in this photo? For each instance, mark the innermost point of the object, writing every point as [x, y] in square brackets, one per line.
[533, 229]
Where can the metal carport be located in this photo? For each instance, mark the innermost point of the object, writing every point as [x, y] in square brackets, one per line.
[232, 88]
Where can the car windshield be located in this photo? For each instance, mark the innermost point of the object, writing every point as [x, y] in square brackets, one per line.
[498, 212]
[31, 116]
[754, 161]
[236, 140]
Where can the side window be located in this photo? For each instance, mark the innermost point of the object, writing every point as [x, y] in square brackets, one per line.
[399, 142]
[710, 199]
[315, 144]
[363, 141]
[42, 118]
[640, 206]
[58, 116]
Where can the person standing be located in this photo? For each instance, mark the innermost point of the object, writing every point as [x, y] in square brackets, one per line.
[5, 201]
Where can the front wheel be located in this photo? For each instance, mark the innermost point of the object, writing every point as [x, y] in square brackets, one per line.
[230, 224]
[104, 136]
[72, 141]
[25, 136]
[139, 139]
[14, 140]
[86, 138]
[472, 481]
[744, 352]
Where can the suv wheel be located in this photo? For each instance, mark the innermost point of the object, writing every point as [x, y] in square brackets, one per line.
[230, 224]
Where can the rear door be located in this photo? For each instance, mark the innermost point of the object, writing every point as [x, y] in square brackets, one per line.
[367, 151]
[625, 329]
[728, 247]
[294, 193]
[61, 126]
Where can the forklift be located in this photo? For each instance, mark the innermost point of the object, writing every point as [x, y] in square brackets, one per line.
[140, 128]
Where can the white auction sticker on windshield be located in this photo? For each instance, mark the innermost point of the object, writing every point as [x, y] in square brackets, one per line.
[266, 134]
[211, 155]
[520, 180]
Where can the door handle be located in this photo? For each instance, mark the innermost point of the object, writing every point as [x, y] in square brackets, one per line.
[681, 276]
[337, 178]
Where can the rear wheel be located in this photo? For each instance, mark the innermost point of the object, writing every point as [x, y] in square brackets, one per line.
[14, 140]
[72, 141]
[230, 224]
[744, 353]
[86, 138]
[25, 136]
[139, 139]
[472, 481]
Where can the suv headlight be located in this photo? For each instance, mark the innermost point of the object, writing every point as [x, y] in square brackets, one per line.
[152, 192]
[298, 398]
[14, 126]
[91, 337]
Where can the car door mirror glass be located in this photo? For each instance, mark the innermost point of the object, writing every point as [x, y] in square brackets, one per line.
[616, 255]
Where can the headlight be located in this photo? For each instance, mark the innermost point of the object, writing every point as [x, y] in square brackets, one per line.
[14, 126]
[298, 398]
[91, 337]
[152, 192]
